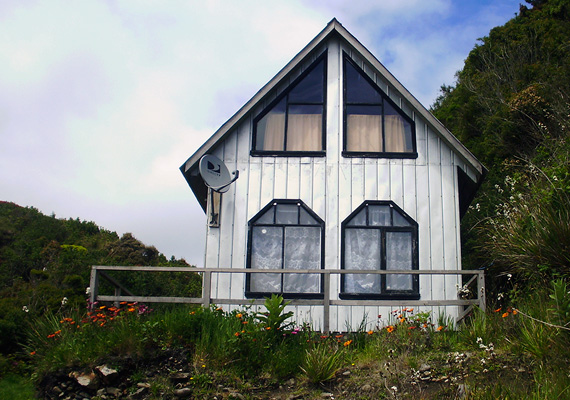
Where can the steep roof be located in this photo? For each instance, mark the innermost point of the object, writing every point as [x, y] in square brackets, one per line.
[335, 28]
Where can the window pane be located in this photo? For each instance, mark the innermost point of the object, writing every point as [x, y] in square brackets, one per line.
[358, 89]
[399, 257]
[287, 214]
[270, 133]
[364, 128]
[305, 218]
[379, 216]
[266, 253]
[310, 89]
[399, 219]
[302, 251]
[359, 219]
[304, 128]
[362, 252]
[267, 217]
[398, 131]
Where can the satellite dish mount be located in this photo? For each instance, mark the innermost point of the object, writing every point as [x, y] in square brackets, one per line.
[218, 180]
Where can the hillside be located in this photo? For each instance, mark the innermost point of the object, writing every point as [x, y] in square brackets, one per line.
[44, 260]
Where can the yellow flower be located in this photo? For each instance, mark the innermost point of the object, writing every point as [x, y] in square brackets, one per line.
[239, 315]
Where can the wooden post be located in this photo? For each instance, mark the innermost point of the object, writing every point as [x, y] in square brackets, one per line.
[117, 294]
[206, 288]
[326, 303]
[94, 287]
[481, 290]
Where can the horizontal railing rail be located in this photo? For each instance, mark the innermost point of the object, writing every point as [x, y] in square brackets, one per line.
[100, 271]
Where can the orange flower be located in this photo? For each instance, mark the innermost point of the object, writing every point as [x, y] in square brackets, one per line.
[268, 328]
[370, 332]
[132, 309]
[402, 320]
[339, 336]
[102, 307]
[515, 311]
[193, 312]
[505, 315]
[57, 332]
[244, 322]
[347, 343]
[390, 328]
[33, 353]
[239, 316]
[440, 328]
[236, 334]
[499, 309]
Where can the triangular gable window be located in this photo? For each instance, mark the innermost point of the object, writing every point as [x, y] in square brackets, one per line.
[295, 122]
[374, 126]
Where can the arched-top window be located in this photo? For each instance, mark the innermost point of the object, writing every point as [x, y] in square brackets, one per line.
[294, 123]
[374, 126]
[285, 234]
[378, 235]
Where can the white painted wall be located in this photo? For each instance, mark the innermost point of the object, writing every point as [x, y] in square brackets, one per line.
[333, 186]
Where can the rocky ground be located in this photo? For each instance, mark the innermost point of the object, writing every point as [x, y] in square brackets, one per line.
[171, 375]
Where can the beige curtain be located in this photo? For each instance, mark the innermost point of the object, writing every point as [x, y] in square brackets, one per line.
[304, 132]
[395, 134]
[274, 134]
[364, 133]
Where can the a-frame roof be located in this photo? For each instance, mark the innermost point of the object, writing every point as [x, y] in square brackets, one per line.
[335, 28]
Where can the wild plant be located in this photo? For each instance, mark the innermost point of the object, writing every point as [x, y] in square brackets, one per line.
[321, 362]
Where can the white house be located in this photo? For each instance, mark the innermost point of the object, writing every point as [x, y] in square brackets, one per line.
[340, 167]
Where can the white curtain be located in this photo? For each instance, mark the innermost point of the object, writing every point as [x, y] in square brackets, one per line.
[272, 129]
[364, 133]
[302, 251]
[399, 257]
[266, 253]
[395, 134]
[304, 132]
[362, 252]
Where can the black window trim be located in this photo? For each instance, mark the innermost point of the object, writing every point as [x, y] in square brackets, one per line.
[251, 224]
[266, 110]
[384, 294]
[385, 97]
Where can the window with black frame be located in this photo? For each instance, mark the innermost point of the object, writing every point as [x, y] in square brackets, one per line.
[374, 126]
[378, 235]
[285, 234]
[294, 123]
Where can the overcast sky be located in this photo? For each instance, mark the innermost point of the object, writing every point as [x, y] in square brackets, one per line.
[102, 101]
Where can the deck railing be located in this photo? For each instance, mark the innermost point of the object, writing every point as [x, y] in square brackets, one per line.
[123, 294]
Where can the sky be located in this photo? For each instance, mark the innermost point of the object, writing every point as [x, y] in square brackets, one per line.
[101, 101]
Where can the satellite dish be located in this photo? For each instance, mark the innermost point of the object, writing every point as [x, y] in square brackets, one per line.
[215, 173]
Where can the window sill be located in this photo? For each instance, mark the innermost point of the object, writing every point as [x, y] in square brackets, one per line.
[357, 154]
[261, 295]
[288, 153]
[383, 296]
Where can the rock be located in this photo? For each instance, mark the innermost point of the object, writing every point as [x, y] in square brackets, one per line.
[88, 380]
[346, 373]
[291, 382]
[180, 377]
[366, 388]
[108, 374]
[183, 393]
[236, 395]
[326, 395]
[139, 393]
[143, 385]
[425, 367]
[113, 391]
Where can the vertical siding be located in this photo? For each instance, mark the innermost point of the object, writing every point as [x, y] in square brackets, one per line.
[333, 186]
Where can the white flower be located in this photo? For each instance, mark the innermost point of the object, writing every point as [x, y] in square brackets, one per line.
[63, 301]
[394, 388]
[88, 290]
[25, 309]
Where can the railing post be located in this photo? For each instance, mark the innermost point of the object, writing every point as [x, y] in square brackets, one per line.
[326, 302]
[481, 289]
[206, 288]
[117, 294]
[93, 287]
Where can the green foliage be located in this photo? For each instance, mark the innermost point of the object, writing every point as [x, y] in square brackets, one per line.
[274, 318]
[321, 362]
